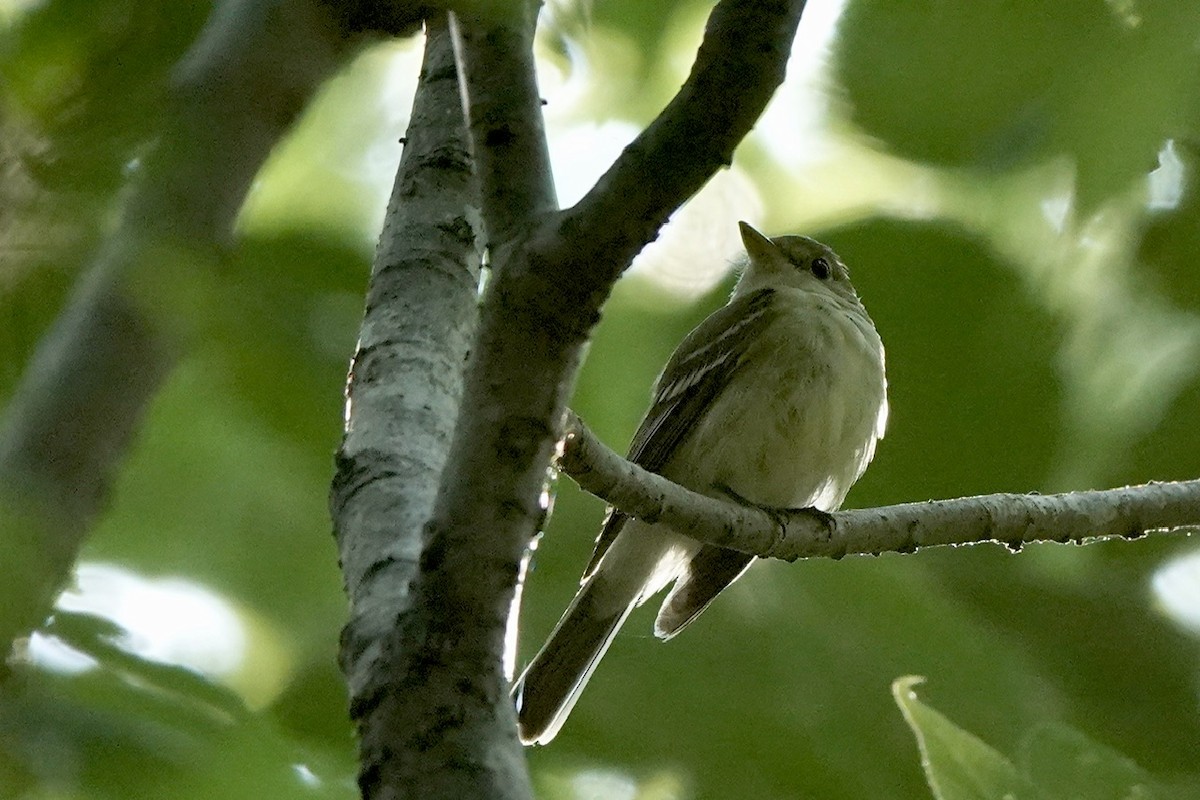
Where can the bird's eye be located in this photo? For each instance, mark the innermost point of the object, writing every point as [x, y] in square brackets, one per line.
[820, 268]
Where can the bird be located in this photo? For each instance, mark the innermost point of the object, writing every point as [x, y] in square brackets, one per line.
[776, 399]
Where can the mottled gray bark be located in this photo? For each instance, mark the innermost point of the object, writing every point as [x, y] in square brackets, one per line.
[402, 402]
[439, 722]
[504, 113]
[428, 691]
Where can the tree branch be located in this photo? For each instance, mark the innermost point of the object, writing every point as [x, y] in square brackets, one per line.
[84, 393]
[739, 65]
[402, 400]
[1011, 519]
[495, 56]
[448, 696]
[445, 699]
[551, 275]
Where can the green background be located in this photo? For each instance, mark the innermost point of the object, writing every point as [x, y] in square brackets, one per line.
[1013, 186]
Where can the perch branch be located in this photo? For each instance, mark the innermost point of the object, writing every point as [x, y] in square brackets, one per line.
[1011, 519]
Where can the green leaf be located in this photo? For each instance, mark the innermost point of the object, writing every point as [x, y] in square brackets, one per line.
[958, 765]
[1068, 764]
[1056, 762]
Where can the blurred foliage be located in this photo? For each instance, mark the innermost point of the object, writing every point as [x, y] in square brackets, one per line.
[1056, 762]
[135, 728]
[1014, 186]
[1105, 85]
[92, 77]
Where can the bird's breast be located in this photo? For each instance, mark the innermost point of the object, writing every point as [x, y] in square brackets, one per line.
[798, 423]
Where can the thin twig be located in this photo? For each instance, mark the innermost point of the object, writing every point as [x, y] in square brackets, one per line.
[1011, 519]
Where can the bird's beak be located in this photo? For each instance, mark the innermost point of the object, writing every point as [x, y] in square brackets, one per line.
[758, 247]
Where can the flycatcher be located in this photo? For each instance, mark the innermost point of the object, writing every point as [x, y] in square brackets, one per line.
[776, 399]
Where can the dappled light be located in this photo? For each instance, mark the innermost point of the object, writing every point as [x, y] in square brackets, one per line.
[1176, 587]
[348, 143]
[171, 620]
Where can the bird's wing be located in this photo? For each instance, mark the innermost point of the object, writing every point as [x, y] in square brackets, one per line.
[697, 372]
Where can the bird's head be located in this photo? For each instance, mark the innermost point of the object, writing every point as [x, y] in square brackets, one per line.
[791, 261]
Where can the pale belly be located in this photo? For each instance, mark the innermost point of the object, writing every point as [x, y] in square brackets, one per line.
[795, 429]
[798, 424]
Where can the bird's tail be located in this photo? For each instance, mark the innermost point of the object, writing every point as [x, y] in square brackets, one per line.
[548, 688]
